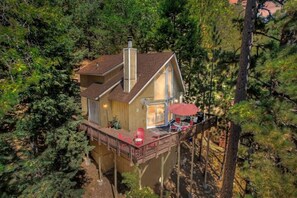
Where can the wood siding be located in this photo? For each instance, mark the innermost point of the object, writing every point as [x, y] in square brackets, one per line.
[121, 111]
[137, 111]
[87, 80]
[105, 113]
[84, 103]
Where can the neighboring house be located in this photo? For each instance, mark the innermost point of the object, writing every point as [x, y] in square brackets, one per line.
[269, 7]
[135, 88]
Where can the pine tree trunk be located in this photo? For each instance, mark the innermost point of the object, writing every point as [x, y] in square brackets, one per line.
[240, 95]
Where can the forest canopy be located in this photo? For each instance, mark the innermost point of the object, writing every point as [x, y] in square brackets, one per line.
[42, 42]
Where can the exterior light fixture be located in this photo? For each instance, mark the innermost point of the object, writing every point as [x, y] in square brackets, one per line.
[105, 107]
[175, 100]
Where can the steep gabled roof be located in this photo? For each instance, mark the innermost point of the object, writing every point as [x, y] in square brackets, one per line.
[148, 65]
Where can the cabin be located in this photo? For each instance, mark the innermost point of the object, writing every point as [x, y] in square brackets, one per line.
[123, 93]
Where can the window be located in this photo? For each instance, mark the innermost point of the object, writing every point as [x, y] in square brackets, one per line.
[164, 84]
[157, 111]
[93, 110]
[155, 115]
[160, 84]
[169, 81]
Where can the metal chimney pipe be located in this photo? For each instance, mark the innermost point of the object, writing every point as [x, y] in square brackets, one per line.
[129, 41]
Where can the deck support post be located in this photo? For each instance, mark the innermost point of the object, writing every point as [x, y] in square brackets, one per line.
[163, 161]
[115, 176]
[201, 143]
[192, 164]
[140, 174]
[178, 169]
[206, 161]
[100, 171]
[225, 150]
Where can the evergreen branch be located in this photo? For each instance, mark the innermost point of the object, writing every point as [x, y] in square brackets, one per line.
[273, 91]
[272, 37]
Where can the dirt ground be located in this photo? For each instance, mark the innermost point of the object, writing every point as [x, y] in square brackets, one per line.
[92, 186]
[105, 189]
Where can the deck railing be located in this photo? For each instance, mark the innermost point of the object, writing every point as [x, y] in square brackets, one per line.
[150, 149]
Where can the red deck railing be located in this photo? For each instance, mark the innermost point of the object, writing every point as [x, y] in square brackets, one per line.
[152, 147]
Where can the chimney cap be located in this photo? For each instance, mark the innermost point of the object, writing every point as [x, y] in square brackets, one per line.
[129, 41]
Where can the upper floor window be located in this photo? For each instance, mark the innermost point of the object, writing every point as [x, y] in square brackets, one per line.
[163, 85]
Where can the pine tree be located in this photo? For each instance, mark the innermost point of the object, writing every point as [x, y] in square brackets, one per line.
[240, 95]
[268, 120]
[179, 32]
[41, 147]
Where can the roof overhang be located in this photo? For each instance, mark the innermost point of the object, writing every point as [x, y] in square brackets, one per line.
[105, 92]
[99, 74]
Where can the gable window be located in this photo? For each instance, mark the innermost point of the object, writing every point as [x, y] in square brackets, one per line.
[93, 110]
[157, 110]
[169, 81]
[164, 84]
[160, 85]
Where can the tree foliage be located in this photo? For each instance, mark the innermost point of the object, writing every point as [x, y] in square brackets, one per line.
[42, 150]
[268, 118]
[42, 41]
[131, 179]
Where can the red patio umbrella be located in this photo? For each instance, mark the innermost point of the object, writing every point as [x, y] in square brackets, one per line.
[183, 109]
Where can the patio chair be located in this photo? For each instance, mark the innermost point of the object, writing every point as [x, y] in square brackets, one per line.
[140, 134]
[173, 127]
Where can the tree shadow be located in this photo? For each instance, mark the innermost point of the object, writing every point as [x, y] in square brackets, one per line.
[198, 188]
[81, 179]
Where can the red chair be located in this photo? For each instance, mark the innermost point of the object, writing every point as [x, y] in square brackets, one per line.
[140, 135]
[177, 120]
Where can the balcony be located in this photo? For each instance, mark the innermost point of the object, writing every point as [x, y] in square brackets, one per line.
[156, 141]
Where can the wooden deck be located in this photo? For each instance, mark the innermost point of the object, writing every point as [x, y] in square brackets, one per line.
[156, 141]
